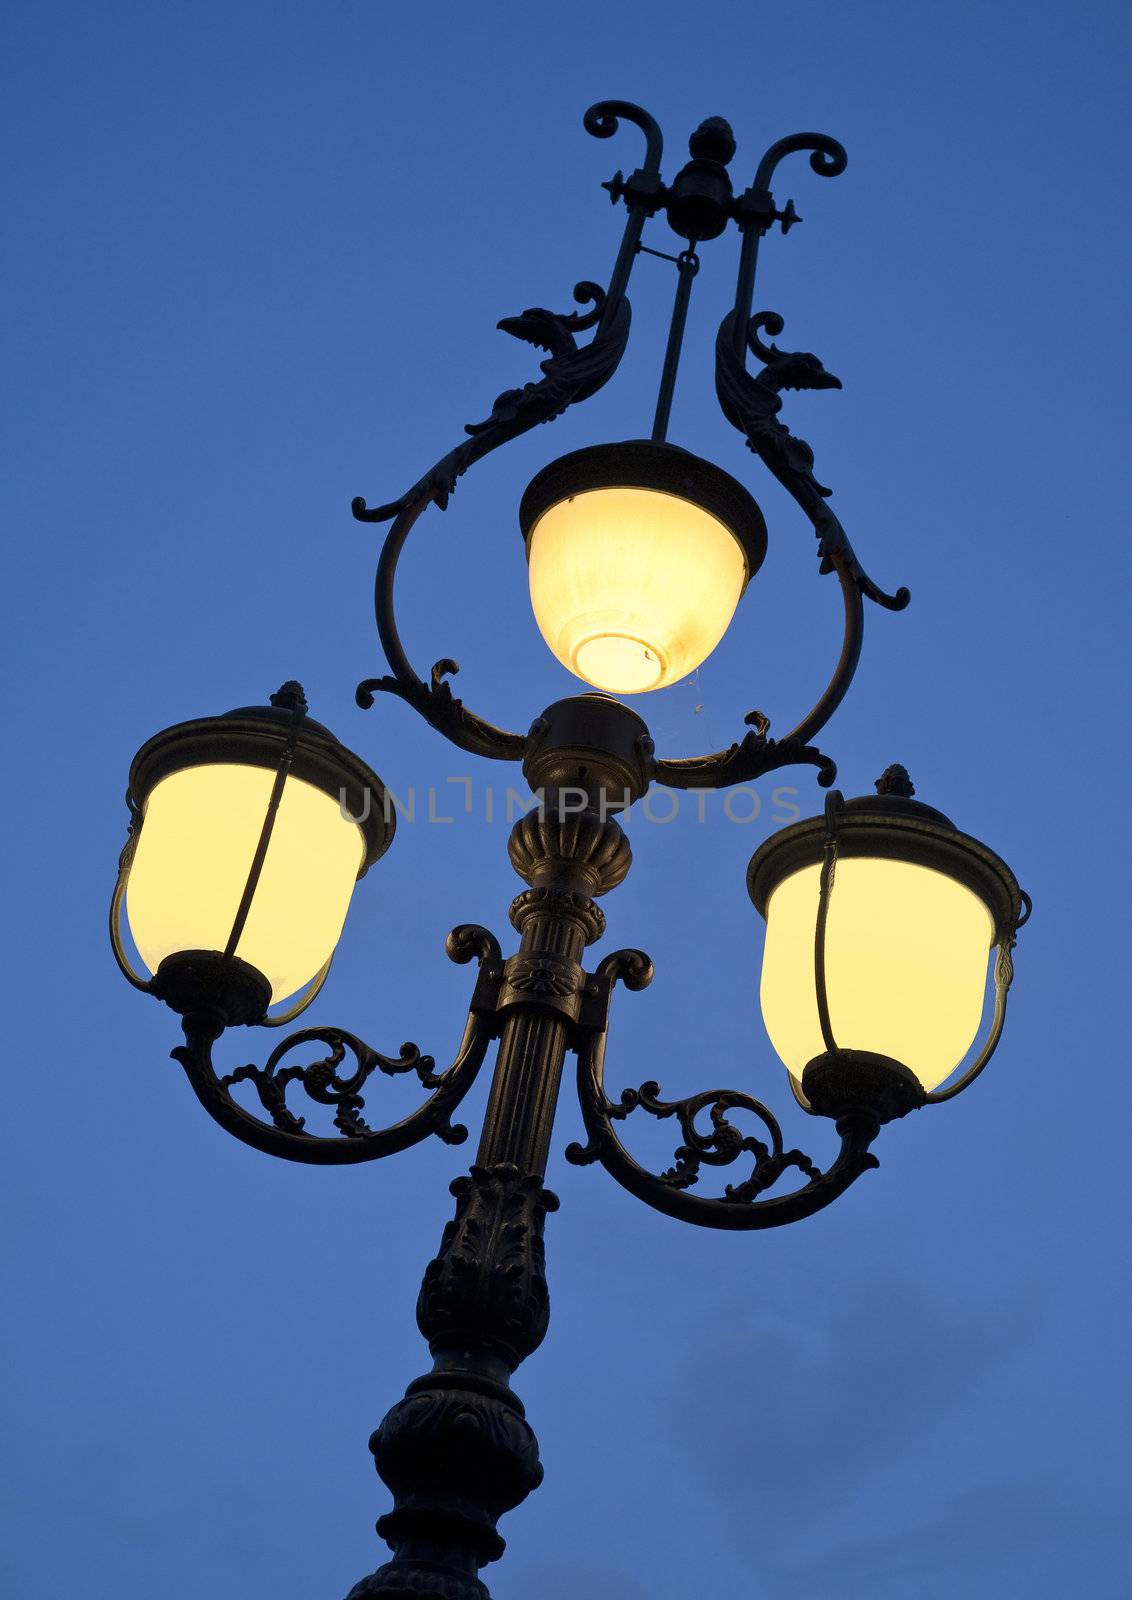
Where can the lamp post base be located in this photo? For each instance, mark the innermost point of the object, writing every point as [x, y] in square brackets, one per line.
[457, 1452]
[424, 1579]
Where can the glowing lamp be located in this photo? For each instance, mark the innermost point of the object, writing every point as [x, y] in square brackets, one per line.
[638, 554]
[880, 922]
[249, 832]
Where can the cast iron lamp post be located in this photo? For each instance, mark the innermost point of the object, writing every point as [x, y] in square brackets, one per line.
[249, 830]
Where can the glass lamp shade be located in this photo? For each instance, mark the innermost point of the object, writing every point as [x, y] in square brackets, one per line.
[254, 828]
[202, 827]
[914, 910]
[638, 554]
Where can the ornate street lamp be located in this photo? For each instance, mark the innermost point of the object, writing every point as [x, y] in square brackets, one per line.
[248, 832]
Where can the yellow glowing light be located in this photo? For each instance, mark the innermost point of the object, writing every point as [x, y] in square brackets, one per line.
[199, 836]
[906, 966]
[633, 588]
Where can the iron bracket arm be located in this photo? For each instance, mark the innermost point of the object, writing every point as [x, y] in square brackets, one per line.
[743, 1206]
[285, 1133]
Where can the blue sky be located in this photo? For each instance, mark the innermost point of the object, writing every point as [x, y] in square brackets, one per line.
[256, 255]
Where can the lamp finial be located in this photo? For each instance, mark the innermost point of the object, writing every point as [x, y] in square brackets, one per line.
[894, 780]
[290, 696]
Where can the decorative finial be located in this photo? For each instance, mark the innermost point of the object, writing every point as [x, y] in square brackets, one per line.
[894, 780]
[713, 140]
[290, 697]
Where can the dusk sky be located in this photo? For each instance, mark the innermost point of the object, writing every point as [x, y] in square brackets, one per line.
[256, 253]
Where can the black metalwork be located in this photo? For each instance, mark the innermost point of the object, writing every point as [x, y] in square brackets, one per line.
[457, 1452]
[292, 699]
[743, 1206]
[893, 827]
[752, 757]
[286, 1134]
[591, 749]
[752, 405]
[1003, 978]
[687, 266]
[698, 206]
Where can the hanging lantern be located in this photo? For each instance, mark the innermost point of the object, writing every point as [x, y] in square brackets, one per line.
[249, 832]
[880, 921]
[638, 554]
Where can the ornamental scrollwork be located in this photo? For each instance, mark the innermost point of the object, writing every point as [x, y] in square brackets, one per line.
[743, 1205]
[323, 1083]
[570, 373]
[447, 713]
[327, 1081]
[749, 758]
[722, 1143]
[752, 405]
[828, 158]
[487, 1283]
[717, 1145]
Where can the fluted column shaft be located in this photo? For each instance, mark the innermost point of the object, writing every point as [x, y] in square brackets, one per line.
[566, 859]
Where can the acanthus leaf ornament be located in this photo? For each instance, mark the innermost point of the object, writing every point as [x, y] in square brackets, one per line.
[724, 1143]
[487, 1284]
[321, 1081]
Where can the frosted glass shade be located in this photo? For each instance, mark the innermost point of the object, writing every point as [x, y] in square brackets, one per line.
[906, 957]
[914, 909]
[638, 555]
[199, 836]
[632, 589]
[248, 832]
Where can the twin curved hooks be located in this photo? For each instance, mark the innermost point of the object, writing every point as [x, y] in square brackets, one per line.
[571, 374]
[325, 1083]
[742, 1206]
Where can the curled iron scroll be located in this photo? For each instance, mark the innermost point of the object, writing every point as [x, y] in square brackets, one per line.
[744, 1205]
[603, 118]
[570, 374]
[752, 404]
[828, 156]
[327, 1082]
